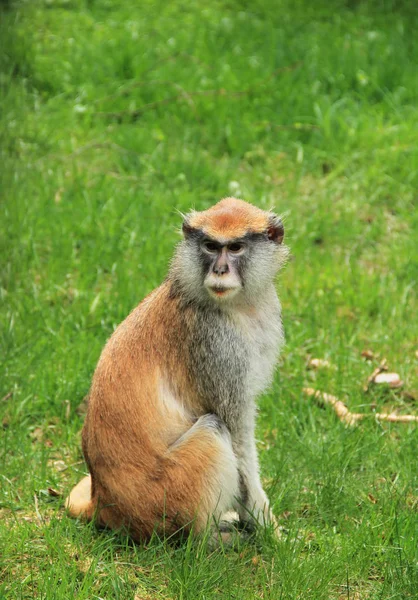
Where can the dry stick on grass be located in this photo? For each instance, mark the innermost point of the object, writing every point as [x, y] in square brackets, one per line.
[382, 367]
[135, 114]
[350, 418]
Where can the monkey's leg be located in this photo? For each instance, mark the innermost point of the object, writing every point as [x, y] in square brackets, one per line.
[187, 488]
[206, 447]
[193, 484]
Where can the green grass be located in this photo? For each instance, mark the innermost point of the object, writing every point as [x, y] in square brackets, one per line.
[116, 115]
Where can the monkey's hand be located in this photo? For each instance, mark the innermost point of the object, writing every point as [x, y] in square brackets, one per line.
[254, 508]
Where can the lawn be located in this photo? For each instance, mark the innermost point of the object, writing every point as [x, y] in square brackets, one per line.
[116, 116]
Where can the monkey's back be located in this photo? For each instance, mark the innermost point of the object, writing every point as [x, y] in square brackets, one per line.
[141, 403]
[128, 416]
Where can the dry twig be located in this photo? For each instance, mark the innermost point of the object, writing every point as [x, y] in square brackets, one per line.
[382, 367]
[350, 418]
[367, 354]
[339, 407]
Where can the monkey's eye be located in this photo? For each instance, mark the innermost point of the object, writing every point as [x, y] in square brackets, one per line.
[236, 247]
[211, 247]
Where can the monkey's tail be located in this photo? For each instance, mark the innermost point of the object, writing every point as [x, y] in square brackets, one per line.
[79, 502]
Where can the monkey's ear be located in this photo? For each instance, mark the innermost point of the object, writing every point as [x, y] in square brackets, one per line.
[275, 229]
[187, 229]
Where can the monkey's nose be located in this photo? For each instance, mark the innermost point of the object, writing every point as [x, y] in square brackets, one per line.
[220, 269]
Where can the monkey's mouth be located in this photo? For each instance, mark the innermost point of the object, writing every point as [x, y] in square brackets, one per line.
[222, 292]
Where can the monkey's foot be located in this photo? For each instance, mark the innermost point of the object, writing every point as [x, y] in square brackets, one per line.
[227, 533]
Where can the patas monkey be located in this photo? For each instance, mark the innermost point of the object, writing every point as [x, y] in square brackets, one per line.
[169, 433]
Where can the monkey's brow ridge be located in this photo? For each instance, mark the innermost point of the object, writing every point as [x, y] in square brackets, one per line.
[251, 236]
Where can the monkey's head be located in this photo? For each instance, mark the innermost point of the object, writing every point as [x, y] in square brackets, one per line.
[230, 251]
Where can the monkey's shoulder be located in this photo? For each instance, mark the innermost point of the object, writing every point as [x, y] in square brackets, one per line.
[139, 334]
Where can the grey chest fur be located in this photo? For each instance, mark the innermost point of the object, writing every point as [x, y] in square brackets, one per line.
[219, 360]
[232, 358]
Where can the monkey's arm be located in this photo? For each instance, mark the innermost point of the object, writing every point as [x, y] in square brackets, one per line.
[253, 504]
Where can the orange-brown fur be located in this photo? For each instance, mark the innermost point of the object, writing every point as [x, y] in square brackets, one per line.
[127, 428]
[143, 474]
[230, 218]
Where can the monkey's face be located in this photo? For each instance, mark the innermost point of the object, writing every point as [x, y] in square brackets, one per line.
[223, 271]
[231, 251]
[222, 267]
